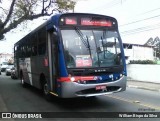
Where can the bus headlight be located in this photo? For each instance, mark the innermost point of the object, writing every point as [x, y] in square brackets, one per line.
[121, 75]
[72, 79]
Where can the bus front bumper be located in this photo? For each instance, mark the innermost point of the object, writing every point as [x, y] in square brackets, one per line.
[74, 89]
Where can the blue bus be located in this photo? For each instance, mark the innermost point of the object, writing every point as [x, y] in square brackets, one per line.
[73, 55]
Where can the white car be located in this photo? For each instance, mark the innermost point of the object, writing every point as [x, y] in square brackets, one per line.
[4, 66]
[8, 70]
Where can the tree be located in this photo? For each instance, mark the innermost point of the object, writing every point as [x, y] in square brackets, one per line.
[157, 47]
[149, 42]
[22, 10]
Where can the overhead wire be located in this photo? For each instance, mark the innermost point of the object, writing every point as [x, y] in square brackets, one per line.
[136, 30]
[108, 5]
[140, 20]
[150, 11]
[141, 29]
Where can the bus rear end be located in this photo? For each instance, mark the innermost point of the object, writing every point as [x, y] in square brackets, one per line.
[91, 59]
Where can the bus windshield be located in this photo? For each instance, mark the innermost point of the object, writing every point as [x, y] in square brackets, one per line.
[91, 48]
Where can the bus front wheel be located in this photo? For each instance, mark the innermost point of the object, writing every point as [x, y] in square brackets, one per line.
[46, 92]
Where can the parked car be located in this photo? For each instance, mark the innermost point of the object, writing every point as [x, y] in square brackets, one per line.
[0, 69]
[8, 70]
[3, 66]
[13, 73]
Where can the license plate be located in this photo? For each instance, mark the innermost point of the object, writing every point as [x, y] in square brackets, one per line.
[100, 87]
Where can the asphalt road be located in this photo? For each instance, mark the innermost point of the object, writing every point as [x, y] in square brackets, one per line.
[15, 98]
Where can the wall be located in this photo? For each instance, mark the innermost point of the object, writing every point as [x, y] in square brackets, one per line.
[147, 73]
[5, 57]
[139, 53]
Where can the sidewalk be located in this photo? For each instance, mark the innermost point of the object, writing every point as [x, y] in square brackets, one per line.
[144, 85]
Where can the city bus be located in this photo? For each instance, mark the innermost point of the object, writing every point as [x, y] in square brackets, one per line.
[73, 55]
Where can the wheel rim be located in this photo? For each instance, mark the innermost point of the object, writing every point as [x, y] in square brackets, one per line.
[22, 81]
[45, 89]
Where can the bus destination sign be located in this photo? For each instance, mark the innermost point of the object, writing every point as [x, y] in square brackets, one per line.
[98, 22]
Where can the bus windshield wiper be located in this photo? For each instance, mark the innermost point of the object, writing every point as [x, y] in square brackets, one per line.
[89, 47]
[84, 40]
[103, 46]
[104, 36]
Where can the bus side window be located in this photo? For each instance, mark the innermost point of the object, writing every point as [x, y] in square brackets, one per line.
[42, 36]
[21, 51]
[41, 48]
[34, 50]
[18, 51]
[28, 47]
[34, 45]
[28, 51]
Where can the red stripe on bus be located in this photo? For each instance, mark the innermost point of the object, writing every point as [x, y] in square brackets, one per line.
[82, 78]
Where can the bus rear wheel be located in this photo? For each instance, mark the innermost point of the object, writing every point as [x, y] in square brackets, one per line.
[23, 82]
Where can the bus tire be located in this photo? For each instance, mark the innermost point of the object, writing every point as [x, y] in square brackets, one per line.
[12, 77]
[45, 91]
[22, 82]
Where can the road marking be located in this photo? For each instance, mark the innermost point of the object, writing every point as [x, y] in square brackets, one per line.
[145, 88]
[54, 94]
[135, 102]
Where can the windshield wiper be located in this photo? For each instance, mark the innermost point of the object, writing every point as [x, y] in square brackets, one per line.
[84, 40]
[103, 46]
[104, 36]
[89, 48]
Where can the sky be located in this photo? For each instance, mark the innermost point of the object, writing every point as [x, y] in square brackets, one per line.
[138, 20]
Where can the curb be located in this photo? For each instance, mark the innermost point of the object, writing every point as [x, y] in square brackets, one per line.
[145, 88]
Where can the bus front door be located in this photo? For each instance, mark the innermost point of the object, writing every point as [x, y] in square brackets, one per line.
[53, 61]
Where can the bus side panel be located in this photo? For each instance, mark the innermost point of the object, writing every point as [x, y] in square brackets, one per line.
[35, 71]
[29, 71]
[39, 68]
[25, 68]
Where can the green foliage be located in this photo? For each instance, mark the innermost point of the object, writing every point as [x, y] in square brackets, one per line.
[23, 8]
[65, 4]
[156, 45]
[158, 62]
[142, 62]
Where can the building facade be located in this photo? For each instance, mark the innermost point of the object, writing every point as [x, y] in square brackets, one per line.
[138, 52]
[6, 57]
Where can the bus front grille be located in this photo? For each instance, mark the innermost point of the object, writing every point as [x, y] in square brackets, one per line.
[94, 91]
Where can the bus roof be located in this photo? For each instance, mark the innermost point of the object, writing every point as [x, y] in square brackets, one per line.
[54, 20]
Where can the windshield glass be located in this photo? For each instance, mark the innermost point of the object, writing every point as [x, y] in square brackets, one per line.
[10, 66]
[91, 48]
[5, 63]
